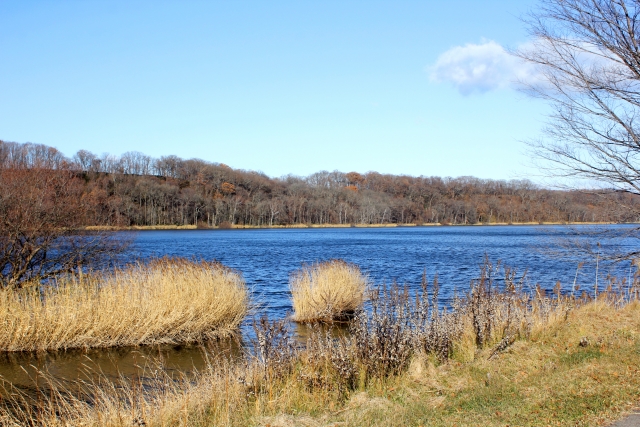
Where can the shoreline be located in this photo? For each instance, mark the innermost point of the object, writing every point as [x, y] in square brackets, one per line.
[309, 226]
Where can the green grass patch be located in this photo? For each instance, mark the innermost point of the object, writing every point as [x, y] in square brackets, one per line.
[580, 356]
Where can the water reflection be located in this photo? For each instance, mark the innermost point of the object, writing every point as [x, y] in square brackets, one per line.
[303, 331]
[30, 371]
[24, 370]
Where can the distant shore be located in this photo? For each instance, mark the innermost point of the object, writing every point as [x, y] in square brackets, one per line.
[300, 226]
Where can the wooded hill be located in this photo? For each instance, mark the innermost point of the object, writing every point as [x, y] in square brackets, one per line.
[138, 190]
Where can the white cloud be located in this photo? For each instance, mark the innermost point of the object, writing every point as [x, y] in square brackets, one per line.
[480, 68]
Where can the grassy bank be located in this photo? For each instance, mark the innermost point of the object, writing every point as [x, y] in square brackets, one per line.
[546, 380]
[165, 301]
[498, 357]
[139, 227]
[298, 226]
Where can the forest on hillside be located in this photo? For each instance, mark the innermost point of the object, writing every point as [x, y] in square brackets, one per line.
[137, 190]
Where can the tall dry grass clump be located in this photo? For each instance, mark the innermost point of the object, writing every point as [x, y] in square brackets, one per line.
[168, 301]
[327, 291]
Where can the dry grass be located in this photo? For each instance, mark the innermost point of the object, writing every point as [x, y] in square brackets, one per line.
[327, 291]
[138, 227]
[165, 301]
[572, 362]
[547, 379]
[153, 398]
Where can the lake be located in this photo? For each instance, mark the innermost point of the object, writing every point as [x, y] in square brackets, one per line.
[267, 257]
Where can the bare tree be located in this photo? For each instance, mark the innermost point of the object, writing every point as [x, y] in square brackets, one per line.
[86, 161]
[587, 55]
[28, 155]
[40, 213]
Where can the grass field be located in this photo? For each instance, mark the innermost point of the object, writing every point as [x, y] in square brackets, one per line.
[547, 380]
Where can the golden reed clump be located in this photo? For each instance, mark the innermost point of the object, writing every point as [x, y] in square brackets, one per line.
[327, 291]
[169, 300]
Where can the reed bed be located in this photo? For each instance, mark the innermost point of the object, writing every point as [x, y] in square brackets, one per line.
[166, 301]
[327, 291]
[407, 361]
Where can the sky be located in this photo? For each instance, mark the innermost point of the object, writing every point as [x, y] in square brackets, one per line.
[282, 87]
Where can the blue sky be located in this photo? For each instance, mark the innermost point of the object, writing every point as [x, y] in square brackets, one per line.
[403, 87]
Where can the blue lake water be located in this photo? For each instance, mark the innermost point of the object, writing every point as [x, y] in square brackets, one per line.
[266, 257]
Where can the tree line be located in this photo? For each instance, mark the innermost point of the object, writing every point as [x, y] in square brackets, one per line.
[138, 190]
